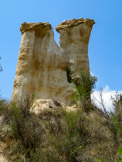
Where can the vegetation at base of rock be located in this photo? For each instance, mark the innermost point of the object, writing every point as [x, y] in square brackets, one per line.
[85, 84]
[116, 118]
[23, 127]
[57, 135]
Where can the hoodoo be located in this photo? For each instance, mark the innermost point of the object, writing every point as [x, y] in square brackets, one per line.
[42, 64]
[74, 39]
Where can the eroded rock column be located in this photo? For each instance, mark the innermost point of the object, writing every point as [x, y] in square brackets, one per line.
[41, 69]
[74, 39]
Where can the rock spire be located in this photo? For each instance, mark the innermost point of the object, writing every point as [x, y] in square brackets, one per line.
[42, 64]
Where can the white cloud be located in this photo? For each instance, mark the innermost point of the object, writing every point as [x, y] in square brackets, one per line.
[92, 73]
[107, 93]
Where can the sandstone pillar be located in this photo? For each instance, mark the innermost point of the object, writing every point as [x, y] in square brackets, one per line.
[41, 69]
[74, 39]
[42, 65]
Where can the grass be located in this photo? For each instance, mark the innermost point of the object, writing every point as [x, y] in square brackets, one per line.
[61, 136]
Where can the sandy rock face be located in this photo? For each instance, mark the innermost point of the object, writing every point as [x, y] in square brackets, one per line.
[42, 64]
[74, 39]
[47, 105]
[41, 69]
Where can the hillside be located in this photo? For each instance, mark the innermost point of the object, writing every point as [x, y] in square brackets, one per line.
[59, 134]
[51, 116]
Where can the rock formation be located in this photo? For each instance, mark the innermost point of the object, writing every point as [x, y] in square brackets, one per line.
[42, 64]
[74, 39]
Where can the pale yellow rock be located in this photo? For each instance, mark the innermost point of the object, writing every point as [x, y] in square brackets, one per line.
[47, 105]
[42, 64]
[74, 39]
[41, 69]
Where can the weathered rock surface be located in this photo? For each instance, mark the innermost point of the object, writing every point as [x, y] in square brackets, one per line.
[74, 39]
[49, 105]
[42, 64]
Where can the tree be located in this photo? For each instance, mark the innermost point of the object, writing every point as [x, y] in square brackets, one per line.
[85, 84]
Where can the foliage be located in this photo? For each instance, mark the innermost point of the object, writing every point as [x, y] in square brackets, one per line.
[25, 128]
[99, 160]
[2, 104]
[116, 117]
[115, 123]
[117, 103]
[85, 84]
[119, 152]
[58, 135]
[68, 143]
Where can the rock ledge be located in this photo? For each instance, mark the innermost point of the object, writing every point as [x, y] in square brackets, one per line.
[34, 26]
[74, 22]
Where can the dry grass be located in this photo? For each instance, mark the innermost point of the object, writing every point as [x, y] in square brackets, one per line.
[57, 135]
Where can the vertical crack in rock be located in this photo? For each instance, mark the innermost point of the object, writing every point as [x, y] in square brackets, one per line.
[41, 69]
[42, 64]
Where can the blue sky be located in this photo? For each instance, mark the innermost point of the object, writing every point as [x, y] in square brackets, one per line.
[105, 46]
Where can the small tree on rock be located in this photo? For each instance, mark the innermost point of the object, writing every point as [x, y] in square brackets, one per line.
[85, 84]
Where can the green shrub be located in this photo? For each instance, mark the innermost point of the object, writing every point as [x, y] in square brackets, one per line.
[119, 153]
[3, 104]
[71, 118]
[25, 127]
[70, 137]
[116, 118]
[85, 84]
